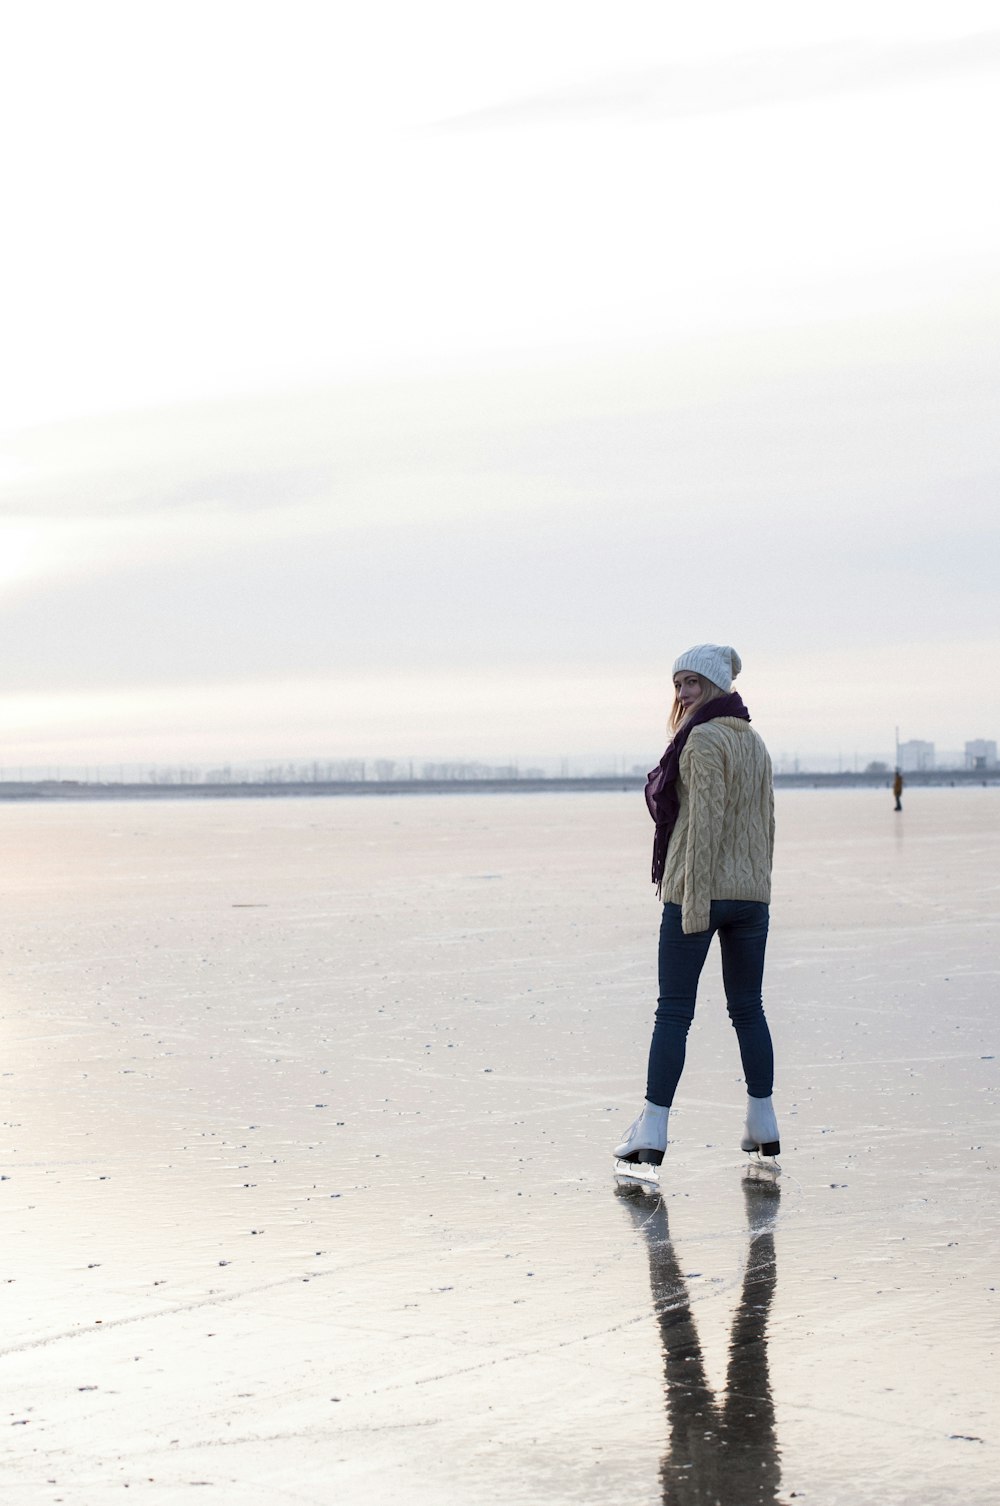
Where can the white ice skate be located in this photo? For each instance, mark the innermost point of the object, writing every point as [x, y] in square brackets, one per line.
[761, 1131]
[646, 1139]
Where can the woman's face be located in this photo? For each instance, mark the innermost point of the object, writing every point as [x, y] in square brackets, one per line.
[687, 688]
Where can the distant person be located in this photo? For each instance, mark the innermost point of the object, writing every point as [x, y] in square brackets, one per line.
[897, 789]
[712, 799]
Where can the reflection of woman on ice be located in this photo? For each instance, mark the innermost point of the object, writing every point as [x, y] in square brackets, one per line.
[713, 803]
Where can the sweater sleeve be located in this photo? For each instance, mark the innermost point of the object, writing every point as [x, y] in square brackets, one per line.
[770, 823]
[704, 776]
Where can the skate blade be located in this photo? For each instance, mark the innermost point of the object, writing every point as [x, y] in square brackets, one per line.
[636, 1174]
[761, 1168]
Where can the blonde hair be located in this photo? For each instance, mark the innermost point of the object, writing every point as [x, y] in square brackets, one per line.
[679, 715]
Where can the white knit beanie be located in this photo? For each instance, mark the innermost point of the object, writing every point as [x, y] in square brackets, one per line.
[718, 663]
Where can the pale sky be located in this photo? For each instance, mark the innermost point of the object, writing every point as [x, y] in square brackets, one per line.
[420, 380]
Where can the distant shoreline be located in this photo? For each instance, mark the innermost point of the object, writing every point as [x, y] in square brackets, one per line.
[69, 789]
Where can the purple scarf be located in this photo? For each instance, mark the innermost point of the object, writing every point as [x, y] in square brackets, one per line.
[661, 783]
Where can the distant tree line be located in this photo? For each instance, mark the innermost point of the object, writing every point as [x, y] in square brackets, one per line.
[336, 771]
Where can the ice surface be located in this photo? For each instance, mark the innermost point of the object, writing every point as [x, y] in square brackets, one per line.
[307, 1119]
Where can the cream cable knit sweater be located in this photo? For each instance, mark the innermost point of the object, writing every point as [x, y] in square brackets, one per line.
[723, 843]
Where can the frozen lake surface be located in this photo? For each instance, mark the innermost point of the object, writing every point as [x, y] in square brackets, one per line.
[307, 1111]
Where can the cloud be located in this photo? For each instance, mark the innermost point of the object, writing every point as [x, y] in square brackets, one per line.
[493, 714]
[745, 81]
[829, 488]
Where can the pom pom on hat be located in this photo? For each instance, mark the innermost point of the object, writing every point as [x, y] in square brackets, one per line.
[716, 662]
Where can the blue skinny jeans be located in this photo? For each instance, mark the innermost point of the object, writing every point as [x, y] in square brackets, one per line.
[742, 928]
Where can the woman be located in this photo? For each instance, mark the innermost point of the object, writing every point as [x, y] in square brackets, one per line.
[713, 803]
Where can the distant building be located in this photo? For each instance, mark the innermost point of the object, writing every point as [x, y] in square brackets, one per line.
[915, 756]
[980, 754]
